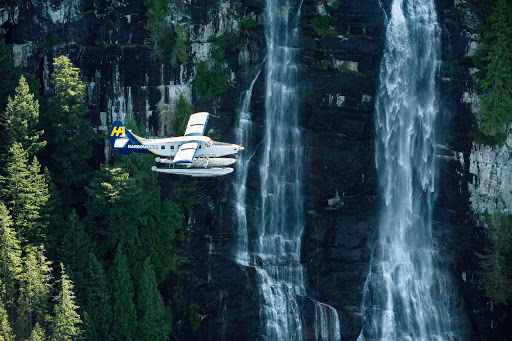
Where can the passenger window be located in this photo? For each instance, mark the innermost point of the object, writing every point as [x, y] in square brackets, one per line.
[199, 146]
[172, 146]
[163, 146]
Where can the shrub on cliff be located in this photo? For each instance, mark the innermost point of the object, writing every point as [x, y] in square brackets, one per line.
[496, 260]
[183, 111]
[211, 83]
[494, 59]
[169, 44]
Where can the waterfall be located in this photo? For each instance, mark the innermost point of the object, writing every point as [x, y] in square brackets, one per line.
[327, 325]
[274, 251]
[281, 212]
[405, 289]
[243, 134]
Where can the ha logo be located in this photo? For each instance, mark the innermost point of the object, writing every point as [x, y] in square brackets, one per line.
[116, 131]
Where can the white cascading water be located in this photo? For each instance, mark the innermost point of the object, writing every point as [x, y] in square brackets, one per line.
[277, 248]
[243, 131]
[327, 325]
[275, 252]
[404, 291]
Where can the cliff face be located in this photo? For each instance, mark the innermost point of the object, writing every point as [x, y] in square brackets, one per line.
[339, 74]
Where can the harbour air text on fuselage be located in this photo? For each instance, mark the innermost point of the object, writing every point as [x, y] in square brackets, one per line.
[192, 154]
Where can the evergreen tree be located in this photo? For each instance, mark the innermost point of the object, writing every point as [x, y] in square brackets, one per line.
[18, 122]
[111, 206]
[124, 316]
[496, 261]
[10, 259]
[66, 321]
[154, 318]
[68, 132]
[54, 218]
[37, 333]
[98, 300]
[5, 328]
[10, 74]
[494, 58]
[26, 191]
[75, 247]
[34, 289]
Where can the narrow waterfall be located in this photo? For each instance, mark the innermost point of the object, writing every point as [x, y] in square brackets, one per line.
[327, 325]
[275, 250]
[281, 214]
[405, 288]
[243, 131]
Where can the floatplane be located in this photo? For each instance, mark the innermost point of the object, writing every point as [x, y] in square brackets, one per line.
[192, 154]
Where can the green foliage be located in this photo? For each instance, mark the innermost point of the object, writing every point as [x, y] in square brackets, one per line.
[183, 111]
[154, 318]
[211, 83]
[97, 300]
[181, 47]
[74, 245]
[53, 41]
[322, 65]
[37, 334]
[335, 5]
[26, 192]
[227, 43]
[194, 320]
[6, 333]
[68, 133]
[496, 261]
[322, 26]
[89, 11]
[10, 259]
[66, 322]
[494, 59]
[112, 194]
[123, 308]
[248, 24]
[19, 121]
[10, 74]
[34, 289]
[171, 45]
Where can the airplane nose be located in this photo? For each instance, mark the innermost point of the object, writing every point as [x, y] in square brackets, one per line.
[241, 148]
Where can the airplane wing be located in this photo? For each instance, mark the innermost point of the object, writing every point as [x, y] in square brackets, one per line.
[197, 124]
[186, 153]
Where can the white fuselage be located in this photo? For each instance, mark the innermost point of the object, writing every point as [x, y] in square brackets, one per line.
[168, 147]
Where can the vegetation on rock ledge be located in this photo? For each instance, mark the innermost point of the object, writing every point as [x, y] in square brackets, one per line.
[494, 60]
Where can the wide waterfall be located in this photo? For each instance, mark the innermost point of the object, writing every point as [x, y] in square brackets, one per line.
[405, 292]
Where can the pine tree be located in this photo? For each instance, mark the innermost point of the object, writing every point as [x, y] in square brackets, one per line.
[66, 321]
[5, 328]
[10, 259]
[19, 121]
[34, 289]
[68, 133]
[111, 206]
[74, 250]
[10, 74]
[154, 318]
[37, 333]
[54, 218]
[494, 58]
[26, 192]
[124, 316]
[98, 300]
